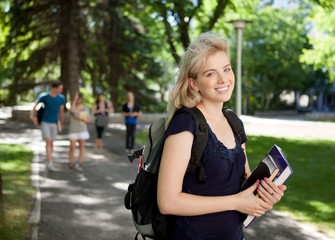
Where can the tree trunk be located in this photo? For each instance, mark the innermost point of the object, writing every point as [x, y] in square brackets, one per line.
[267, 101]
[113, 55]
[69, 51]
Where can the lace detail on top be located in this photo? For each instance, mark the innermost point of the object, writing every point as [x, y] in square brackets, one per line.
[215, 148]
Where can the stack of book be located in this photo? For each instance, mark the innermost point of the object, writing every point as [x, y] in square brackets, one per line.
[273, 166]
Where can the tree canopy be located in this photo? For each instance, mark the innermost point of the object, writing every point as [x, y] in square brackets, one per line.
[276, 39]
[322, 38]
[115, 46]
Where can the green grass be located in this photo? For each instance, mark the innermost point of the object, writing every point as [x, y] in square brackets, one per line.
[17, 201]
[310, 194]
[141, 136]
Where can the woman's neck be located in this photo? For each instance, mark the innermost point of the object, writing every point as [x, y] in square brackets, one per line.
[211, 111]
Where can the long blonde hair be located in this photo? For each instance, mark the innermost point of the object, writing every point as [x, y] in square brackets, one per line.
[192, 62]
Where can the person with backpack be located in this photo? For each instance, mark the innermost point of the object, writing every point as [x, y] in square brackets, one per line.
[53, 114]
[100, 109]
[213, 208]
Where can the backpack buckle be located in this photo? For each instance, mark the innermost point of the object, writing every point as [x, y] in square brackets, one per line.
[136, 154]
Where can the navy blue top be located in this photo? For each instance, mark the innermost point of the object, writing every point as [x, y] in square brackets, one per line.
[224, 169]
[128, 119]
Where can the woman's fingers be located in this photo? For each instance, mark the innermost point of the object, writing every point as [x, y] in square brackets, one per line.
[270, 192]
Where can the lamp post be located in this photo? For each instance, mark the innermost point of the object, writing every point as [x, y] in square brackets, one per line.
[238, 26]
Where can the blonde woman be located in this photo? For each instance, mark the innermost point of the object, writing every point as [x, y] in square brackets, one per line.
[131, 111]
[213, 210]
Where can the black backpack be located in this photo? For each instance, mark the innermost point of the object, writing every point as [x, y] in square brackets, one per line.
[141, 197]
[40, 113]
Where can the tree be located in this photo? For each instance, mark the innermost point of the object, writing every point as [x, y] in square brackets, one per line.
[273, 44]
[68, 44]
[322, 38]
[177, 16]
[84, 43]
[178, 21]
[119, 56]
[117, 46]
[42, 41]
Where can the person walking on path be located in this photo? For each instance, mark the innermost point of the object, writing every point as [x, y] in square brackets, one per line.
[101, 109]
[215, 209]
[54, 103]
[80, 117]
[131, 111]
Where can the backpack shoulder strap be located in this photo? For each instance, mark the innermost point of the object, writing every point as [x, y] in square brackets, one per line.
[200, 142]
[234, 122]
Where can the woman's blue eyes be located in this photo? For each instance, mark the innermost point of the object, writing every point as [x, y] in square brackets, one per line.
[213, 73]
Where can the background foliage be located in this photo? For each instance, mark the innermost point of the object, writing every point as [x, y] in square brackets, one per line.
[115, 46]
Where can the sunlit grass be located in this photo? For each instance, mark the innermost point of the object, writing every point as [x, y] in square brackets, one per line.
[310, 196]
[16, 204]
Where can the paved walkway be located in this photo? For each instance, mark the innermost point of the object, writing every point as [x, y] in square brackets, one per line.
[89, 205]
[291, 127]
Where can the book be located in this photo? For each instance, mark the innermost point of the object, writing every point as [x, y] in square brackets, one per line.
[83, 115]
[273, 166]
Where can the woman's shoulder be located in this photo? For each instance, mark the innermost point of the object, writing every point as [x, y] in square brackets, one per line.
[181, 122]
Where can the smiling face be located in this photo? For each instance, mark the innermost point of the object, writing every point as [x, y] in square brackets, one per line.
[215, 81]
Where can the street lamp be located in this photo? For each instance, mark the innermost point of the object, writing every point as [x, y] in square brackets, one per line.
[239, 25]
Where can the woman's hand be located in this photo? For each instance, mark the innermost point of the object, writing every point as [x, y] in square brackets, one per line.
[86, 120]
[270, 192]
[268, 195]
[250, 204]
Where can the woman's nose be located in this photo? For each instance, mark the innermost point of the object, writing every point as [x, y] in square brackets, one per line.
[222, 78]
